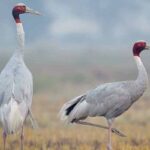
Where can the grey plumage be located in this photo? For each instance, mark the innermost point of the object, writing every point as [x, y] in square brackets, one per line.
[110, 99]
[16, 84]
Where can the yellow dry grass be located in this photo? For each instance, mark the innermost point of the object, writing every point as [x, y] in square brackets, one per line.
[55, 135]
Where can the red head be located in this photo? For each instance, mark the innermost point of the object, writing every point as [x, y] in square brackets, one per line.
[17, 10]
[21, 8]
[139, 47]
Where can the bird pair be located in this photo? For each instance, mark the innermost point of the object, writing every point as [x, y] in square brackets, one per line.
[108, 100]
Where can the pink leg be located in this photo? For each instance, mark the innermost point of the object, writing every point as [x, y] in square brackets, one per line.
[22, 138]
[109, 145]
[4, 139]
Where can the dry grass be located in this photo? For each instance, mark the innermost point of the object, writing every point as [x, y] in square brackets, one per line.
[55, 135]
[58, 79]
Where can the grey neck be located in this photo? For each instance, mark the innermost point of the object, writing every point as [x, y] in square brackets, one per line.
[20, 38]
[142, 79]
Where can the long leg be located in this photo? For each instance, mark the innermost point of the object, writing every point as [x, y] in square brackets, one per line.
[110, 123]
[113, 130]
[22, 138]
[4, 139]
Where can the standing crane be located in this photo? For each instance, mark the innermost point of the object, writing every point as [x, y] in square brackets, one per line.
[109, 100]
[16, 84]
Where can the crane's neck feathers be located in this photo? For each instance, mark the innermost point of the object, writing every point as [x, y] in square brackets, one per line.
[20, 37]
[142, 78]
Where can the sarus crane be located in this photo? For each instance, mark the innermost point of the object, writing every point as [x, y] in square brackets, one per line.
[109, 100]
[16, 84]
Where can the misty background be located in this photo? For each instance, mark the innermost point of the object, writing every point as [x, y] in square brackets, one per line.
[80, 42]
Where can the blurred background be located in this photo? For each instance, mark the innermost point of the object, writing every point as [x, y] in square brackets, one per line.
[75, 46]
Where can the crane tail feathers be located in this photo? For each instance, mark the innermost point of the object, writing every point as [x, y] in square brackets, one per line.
[11, 117]
[68, 107]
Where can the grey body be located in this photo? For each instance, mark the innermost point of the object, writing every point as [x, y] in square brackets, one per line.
[16, 89]
[109, 100]
[15, 84]
[16, 81]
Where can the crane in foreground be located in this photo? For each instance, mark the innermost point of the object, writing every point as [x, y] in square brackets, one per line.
[109, 100]
[16, 84]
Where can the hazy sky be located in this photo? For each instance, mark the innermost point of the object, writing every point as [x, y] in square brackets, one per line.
[78, 23]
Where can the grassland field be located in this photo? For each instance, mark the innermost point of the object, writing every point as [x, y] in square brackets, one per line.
[57, 81]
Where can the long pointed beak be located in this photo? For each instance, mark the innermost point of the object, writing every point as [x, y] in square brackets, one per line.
[147, 47]
[31, 11]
